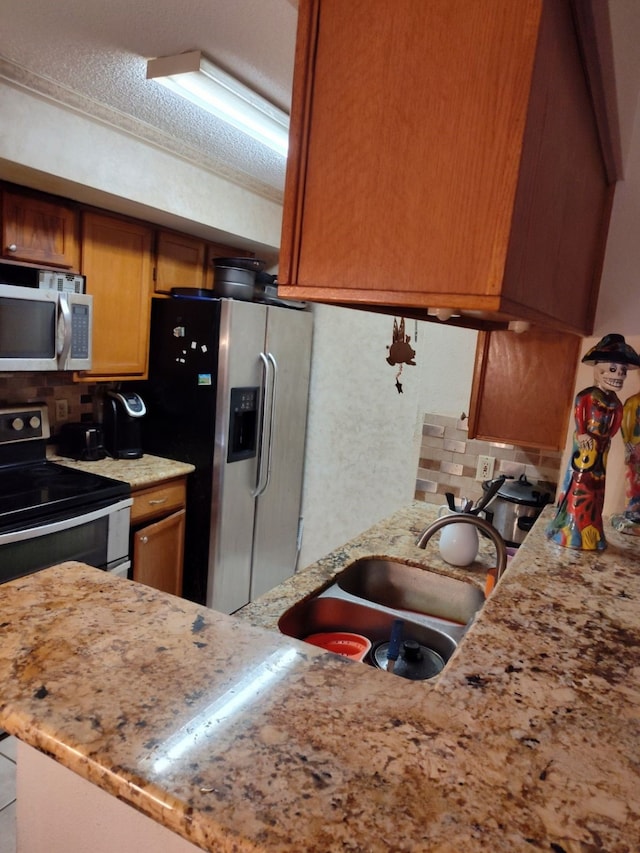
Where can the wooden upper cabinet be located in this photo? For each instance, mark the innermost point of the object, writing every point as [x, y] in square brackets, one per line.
[39, 230]
[444, 154]
[180, 261]
[523, 387]
[117, 261]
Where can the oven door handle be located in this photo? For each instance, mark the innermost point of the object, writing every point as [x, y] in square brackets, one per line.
[63, 524]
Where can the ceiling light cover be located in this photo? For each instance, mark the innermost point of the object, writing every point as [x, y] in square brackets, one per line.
[193, 77]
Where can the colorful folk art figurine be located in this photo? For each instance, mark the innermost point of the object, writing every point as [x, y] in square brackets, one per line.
[598, 415]
[631, 438]
[629, 521]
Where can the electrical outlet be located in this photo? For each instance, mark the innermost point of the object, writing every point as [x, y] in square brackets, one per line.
[486, 464]
[62, 410]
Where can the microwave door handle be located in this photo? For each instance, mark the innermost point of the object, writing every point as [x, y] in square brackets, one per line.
[63, 343]
[268, 410]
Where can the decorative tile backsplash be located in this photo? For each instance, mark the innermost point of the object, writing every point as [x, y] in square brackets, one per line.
[49, 388]
[449, 461]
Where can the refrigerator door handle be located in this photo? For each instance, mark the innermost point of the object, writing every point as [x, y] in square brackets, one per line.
[268, 418]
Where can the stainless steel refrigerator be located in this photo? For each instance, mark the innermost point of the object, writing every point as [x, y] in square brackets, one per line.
[227, 391]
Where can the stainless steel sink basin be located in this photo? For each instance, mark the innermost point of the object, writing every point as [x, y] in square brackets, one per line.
[370, 594]
[412, 588]
[325, 613]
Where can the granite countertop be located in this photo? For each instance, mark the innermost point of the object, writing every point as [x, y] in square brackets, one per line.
[145, 471]
[241, 739]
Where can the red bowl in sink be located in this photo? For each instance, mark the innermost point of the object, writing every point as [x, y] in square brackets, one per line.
[353, 646]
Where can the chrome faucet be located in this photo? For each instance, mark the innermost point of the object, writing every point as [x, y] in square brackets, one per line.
[480, 523]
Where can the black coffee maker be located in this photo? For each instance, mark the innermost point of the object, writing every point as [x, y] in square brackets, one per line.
[123, 411]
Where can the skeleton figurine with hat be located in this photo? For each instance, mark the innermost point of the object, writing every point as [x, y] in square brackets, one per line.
[598, 415]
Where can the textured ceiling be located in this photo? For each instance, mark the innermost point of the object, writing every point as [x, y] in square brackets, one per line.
[92, 55]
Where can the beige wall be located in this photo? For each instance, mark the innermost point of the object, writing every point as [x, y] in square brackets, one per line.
[363, 441]
[54, 148]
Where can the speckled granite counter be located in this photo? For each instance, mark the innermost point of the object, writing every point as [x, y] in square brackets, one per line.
[139, 473]
[240, 739]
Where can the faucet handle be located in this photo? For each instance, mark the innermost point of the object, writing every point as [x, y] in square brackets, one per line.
[490, 582]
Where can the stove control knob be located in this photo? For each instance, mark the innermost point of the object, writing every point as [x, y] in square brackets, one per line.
[34, 422]
[17, 424]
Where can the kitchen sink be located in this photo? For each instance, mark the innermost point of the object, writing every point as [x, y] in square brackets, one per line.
[325, 613]
[412, 588]
[370, 594]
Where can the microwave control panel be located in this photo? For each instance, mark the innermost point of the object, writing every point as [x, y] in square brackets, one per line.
[80, 330]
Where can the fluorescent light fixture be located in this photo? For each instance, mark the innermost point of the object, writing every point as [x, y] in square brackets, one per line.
[209, 87]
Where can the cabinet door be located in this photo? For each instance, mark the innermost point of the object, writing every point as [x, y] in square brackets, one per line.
[406, 121]
[157, 553]
[418, 128]
[39, 230]
[179, 261]
[116, 259]
[523, 387]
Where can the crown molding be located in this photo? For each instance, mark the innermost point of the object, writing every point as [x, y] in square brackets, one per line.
[19, 77]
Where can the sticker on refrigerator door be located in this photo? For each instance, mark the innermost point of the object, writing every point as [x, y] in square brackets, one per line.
[204, 379]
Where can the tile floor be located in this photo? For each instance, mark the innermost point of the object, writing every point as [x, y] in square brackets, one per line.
[8, 795]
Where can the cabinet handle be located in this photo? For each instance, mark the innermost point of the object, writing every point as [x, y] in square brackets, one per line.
[12, 247]
[144, 540]
[158, 501]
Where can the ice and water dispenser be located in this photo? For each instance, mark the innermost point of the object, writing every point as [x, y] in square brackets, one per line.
[243, 423]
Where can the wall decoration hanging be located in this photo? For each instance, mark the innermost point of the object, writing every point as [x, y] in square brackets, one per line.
[598, 415]
[400, 351]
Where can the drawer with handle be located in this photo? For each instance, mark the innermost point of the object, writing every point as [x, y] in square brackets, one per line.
[157, 501]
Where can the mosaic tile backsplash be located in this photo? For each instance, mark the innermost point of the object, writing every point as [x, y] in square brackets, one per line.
[49, 388]
[449, 461]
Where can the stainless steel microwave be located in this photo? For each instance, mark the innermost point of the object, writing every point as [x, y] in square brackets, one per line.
[44, 329]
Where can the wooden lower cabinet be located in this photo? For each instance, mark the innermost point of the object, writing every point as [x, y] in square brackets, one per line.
[158, 552]
[157, 535]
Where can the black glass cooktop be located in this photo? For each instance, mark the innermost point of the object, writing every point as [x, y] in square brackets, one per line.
[44, 491]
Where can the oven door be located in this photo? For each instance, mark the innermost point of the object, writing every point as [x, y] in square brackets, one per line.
[99, 538]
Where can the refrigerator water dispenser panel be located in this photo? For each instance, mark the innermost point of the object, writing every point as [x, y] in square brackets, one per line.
[243, 424]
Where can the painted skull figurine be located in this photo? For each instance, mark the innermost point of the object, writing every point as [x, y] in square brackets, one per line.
[598, 415]
[609, 376]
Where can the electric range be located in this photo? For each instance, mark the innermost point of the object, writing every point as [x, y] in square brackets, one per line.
[50, 513]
